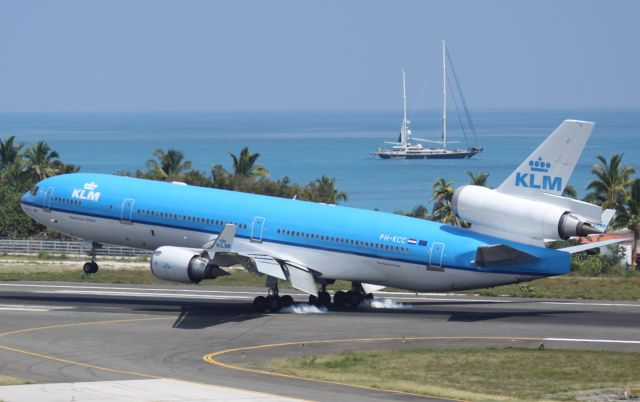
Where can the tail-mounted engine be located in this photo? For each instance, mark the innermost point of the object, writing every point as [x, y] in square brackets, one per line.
[499, 212]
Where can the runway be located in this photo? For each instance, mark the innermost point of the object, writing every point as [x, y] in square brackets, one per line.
[196, 336]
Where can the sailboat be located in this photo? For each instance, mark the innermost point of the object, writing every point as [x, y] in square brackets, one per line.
[405, 149]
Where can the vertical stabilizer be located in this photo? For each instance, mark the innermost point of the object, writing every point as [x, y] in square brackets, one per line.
[549, 167]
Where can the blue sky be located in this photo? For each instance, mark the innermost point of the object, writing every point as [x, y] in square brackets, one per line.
[314, 55]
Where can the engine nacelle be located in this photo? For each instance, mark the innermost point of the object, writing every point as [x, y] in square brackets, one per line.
[521, 216]
[180, 265]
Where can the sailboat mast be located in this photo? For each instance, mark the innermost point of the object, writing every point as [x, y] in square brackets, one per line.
[444, 97]
[404, 111]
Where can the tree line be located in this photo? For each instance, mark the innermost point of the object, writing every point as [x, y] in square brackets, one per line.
[22, 167]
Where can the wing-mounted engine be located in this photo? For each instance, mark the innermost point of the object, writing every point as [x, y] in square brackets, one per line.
[545, 218]
[183, 265]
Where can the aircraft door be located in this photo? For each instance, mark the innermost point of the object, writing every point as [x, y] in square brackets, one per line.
[127, 210]
[256, 229]
[46, 203]
[435, 254]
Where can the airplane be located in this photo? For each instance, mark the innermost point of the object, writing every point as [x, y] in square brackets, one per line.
[197, 233]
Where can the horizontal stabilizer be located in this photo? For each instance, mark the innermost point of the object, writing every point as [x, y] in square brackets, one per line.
[268, 266]
[501, 254]
[585, 247]
[302, 279]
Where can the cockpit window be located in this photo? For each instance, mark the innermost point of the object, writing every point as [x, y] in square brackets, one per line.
[34, 190]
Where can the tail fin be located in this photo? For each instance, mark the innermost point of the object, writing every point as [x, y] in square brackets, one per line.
[549, 167]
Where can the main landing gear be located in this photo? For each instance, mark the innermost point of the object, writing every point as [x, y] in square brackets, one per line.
[351, 298]
[91, 267]
[273, 301]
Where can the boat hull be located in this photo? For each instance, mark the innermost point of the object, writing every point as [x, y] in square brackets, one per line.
[427, 155]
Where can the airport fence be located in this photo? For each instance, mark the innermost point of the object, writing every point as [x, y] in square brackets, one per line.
[66, 247]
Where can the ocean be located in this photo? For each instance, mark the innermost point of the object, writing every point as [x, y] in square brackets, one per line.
[306, 145]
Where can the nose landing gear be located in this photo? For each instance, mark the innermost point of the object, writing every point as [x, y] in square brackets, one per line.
[91, 267]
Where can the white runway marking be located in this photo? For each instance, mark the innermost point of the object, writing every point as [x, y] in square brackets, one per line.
[20, 307]
[133, 390]
[592, 340]
[591, 304]
[88, 287]
[146, 294]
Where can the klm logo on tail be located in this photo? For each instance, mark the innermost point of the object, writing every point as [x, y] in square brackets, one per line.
[536, 179]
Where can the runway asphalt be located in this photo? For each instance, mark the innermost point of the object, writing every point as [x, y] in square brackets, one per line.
[70, 333]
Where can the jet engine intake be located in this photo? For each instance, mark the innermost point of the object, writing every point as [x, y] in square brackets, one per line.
[181, 265]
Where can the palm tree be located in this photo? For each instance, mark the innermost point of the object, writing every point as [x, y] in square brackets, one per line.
[328, 192]
[629, 217]
[244, 166]
[419, 211]
[442, 196]
[168, 165]
[9, 152]
[41, 161]
[570, 192]
[478, 179]
[611, 183]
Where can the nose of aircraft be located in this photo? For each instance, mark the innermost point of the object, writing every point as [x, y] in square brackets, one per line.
[29, 197]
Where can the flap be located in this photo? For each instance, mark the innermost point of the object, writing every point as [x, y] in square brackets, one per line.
[268, 266]
[369, 288]
[302, 279]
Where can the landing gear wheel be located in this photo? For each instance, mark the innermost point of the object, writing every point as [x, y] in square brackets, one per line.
[340, 298]
[287, 301]
[313, 300]
[354, 298]
[324, 299]
[90, 267]
[260, 303]
[274, 303]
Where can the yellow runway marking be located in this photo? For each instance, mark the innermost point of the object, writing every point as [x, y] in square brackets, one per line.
[75, 363]
[78, 324]
[212, 357]
[112, 370]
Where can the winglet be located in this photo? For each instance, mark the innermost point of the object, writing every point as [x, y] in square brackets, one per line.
[550, 166]
[224, 241]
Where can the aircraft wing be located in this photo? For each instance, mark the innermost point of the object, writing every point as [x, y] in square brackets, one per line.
[220, 251]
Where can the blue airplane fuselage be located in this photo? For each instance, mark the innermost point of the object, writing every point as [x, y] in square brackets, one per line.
[338, 242]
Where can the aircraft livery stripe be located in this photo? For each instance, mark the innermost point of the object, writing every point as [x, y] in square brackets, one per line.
[387, 258]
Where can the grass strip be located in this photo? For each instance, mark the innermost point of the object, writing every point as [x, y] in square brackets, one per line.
[7, 380]
[572, 287]
[471, 374]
